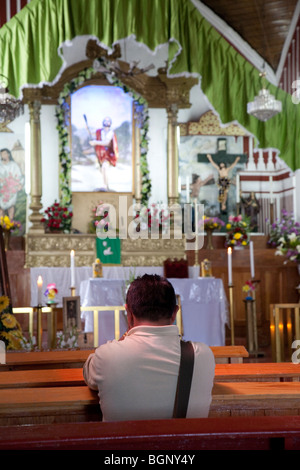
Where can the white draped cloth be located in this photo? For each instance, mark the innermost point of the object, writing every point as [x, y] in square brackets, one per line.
[203, 300]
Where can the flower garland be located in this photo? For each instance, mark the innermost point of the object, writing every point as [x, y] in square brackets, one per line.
[63, 116]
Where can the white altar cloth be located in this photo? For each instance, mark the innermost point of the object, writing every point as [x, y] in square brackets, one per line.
[62, 278]
[203, 300]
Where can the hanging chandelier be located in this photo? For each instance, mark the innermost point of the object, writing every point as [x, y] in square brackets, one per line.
[264, 105]
[10, 107]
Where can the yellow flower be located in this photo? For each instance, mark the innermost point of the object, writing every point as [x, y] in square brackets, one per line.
[228, 226]
[237, 235]
[9, 320]
[4, 302]
[14, 338]
[244, 242]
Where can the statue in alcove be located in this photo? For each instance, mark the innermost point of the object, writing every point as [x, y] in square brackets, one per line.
[251, 208]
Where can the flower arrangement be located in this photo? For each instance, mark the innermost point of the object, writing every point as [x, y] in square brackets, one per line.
[249, 287]
[51, 292]
[285, 236]
[237, 229]
[57, 218]
[67, 339]
[10, 329]
[8, 224]
[100, 219]
[155, 217]
[211, 223]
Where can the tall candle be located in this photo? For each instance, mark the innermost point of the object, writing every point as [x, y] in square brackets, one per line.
[252, 270]
[271, 189]
[237, 188]
[187, 185]
[40, 286]
[196, 223]
[72, 259]
[229, 261]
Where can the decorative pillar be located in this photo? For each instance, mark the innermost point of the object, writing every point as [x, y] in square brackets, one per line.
[172, 157]
[136, 142]
[36, 168]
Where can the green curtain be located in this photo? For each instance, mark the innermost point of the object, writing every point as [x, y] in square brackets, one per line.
[30, 41]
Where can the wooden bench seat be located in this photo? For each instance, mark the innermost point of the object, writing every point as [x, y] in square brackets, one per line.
[223, 373]
[76, 358]
[257, 433]
[79, 403]
[265, 371]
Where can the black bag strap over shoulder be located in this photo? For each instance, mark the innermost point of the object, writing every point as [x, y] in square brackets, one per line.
[184, 379]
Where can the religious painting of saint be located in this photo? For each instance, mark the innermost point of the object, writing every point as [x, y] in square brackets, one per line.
[12, 179]
[101, 139]
[208, 165]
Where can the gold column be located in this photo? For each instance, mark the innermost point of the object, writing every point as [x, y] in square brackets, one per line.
[172, 157]
[36, 167]
[136, 139]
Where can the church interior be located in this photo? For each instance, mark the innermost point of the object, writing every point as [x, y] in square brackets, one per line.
[185, 115]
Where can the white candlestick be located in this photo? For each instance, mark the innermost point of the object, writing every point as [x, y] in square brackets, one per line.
[187, 184]
[237, 188]
[72, 259]
[40, 286]
[271, 189]
[229, 260]
[252, 260]
[196, 223]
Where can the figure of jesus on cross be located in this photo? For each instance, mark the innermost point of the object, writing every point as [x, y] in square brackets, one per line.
[223, 179]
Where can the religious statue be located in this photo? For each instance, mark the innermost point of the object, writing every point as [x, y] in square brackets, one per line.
[223, 179]
[251, 208]
[197, 183]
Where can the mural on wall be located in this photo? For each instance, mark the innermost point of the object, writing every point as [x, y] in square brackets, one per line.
[12, 178]
[101, 139]
[208, 165]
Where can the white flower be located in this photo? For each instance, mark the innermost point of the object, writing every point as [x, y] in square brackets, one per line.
[298, 248]
[278, 252]
[292, 236]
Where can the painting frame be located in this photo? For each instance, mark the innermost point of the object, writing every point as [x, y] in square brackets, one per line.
[121, 170]
[71, 313]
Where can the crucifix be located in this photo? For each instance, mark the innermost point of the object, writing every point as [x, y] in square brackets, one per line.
[224, 163]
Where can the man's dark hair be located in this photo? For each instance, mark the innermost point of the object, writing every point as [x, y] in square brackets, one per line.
[151, 297]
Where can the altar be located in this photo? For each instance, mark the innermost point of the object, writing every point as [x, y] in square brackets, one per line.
[203, 300]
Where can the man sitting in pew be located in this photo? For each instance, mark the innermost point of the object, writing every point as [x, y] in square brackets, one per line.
[137, 376]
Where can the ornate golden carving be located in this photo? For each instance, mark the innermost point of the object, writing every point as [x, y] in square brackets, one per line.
[209, 124]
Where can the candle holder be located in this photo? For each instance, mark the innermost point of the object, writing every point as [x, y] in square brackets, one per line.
[39, 326]
[231, 310]
[73, 291]
[52, 325]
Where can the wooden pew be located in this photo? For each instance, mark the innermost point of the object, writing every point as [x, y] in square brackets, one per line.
[80, 404]
[76, 358]
[265, 371]
[72, 377]
[257, 433]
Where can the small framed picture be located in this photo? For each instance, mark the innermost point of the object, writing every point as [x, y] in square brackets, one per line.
[71, 312]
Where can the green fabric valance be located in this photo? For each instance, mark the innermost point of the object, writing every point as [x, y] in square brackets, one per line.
[30, 42]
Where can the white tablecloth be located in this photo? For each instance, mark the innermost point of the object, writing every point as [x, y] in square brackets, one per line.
[204, 307]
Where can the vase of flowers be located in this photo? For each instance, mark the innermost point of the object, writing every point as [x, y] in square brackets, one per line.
[249, 288]
[210, 224]
[237, 232]
[57, 218]
[8, 226]
[155, 218]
